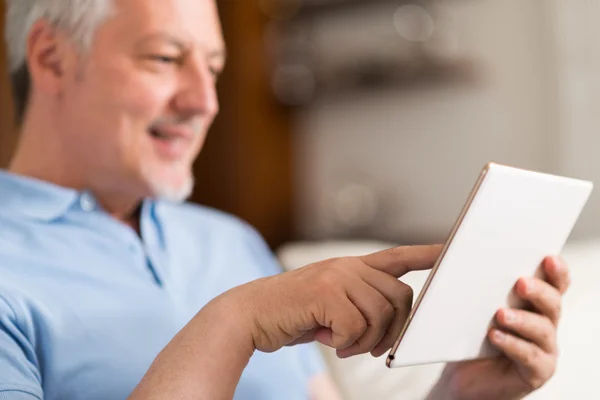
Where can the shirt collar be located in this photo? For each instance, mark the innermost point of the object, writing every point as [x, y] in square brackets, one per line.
[34, 198]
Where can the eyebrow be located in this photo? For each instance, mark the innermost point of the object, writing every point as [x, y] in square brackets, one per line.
[219, 54]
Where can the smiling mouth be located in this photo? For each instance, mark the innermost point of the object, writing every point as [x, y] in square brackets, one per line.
[163, 135]
[155, 133]
[172, 142]
[171, 133]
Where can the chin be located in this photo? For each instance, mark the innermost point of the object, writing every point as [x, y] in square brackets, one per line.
[173, 193]
[168, 184]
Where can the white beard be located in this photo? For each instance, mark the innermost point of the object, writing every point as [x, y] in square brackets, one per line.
[174, 194]
[167, 190]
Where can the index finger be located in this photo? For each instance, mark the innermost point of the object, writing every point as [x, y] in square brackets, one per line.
[400, 260]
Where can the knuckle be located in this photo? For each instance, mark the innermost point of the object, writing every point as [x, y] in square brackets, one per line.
[347, 265]
[410, 293]
[406, 288]
[558, 311]
[326, 263]
[537, 380]
[352, 334]
[358, 328]
[405, 293]
[344, 262]
[397, 251]
[546, 335]
[534, 294]
[387, 312]
[533, 356]
[327, 279]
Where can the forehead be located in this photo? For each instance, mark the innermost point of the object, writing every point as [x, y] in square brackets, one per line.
[193, 21]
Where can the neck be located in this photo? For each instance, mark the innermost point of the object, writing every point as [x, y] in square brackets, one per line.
[41, 155]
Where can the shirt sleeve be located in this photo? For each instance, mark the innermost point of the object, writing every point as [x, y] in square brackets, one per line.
[311, 359]
[263, 256]
[19, 376]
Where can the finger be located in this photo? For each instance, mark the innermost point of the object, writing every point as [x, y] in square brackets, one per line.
[402, 312]
[376, 310]
[544, 297]
[399, 294]
[537, 365]
[557, 273]
[342, 324]
[531, 326]
[400, 260]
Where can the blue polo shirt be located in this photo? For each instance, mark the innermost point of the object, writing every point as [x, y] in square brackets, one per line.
[86, 304]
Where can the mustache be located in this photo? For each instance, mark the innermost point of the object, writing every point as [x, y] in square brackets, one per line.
[193, 124]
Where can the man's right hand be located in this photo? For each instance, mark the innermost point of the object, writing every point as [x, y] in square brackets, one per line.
[353, 304]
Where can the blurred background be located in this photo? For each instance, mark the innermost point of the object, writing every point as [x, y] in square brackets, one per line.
[350, 125]
[350, 119]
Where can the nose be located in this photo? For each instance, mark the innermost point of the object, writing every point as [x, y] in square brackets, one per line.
[197, 95]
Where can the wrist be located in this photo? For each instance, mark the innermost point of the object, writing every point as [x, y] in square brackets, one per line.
[205, 360]
[455, 384]
[230, 323]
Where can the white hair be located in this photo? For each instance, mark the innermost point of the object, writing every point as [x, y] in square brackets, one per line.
[78, 18]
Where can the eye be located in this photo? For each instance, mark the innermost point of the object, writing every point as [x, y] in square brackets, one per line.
[165, 59]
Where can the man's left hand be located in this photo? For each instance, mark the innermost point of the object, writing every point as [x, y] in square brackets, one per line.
[527, 339]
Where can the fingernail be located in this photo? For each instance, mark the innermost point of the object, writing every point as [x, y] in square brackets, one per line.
[529, 285]
[509, 316]
[498, 336]
[558, 264]
[377, 353]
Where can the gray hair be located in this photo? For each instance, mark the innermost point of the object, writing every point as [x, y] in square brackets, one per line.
[78, 18]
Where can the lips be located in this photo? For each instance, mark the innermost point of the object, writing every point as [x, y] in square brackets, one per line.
[171, 142]
[171, 133]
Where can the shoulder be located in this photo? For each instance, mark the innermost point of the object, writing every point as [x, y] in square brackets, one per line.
[225, 236]
[15, 317]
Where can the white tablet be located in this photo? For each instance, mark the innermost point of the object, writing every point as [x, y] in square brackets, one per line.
[512, 220]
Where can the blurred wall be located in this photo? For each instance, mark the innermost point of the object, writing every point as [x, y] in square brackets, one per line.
[410, 156]
[576, 32]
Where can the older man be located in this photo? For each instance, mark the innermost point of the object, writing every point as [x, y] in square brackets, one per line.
[111, 288]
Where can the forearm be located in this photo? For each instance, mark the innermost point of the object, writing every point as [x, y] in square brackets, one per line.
[455, 384]
[204, 361]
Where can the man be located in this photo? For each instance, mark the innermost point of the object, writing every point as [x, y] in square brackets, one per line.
[111, 289]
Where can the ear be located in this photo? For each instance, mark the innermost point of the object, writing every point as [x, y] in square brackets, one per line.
[49, 57]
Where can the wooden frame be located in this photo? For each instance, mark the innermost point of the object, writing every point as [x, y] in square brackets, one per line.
[8, 134]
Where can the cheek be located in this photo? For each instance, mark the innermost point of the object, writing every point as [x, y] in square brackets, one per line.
[142, 99]
[132, 101]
